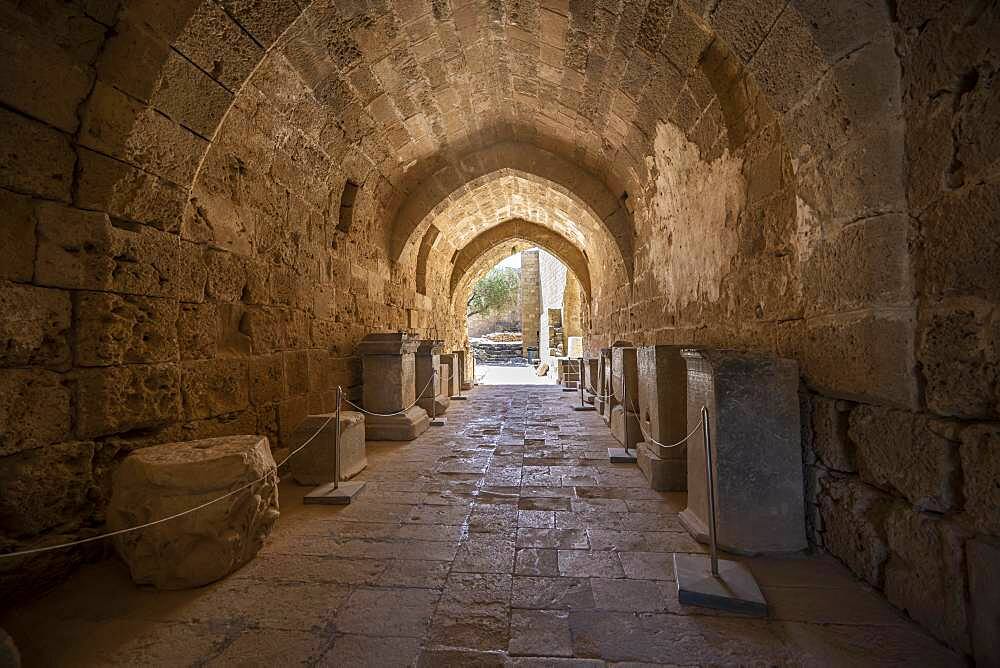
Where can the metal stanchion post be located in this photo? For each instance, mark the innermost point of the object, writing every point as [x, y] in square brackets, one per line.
[335, 493]
[714, 583]
[583, 406]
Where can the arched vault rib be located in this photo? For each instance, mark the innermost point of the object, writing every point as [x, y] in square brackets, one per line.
[521, 230]
[432, 197]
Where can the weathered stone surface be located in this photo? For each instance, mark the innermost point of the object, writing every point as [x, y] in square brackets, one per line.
[430, 391]
[127, 192]
[216, 44]
[45, 487]
[122, 329]
[830, 433]
[625, 377]
[863, 356]
[980, 472]
[34, 326]
[34, 158]
[909, 453]
[190, 97]
[198, 330]
[17, 237]
[957, 352]
[984, 589]
[267, 379]
[210, 543]
[37, 77]
[854, 526]
[82, 250]
[213, 387]
[625, 428]
[753, 410]
[925, 574]
[314, 464]
[115, 399]
[34, 409]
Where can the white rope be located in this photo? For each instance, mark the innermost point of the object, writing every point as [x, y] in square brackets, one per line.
[119, 532]
[420, 395]
[650, 439]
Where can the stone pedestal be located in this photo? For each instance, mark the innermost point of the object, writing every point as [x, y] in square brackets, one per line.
[388, 374]
[663, 415]
[753, 407]
[463, 372]
[591, 383]
[449, 374]
[314, 464]
[625, 388]
[430, 393]
[208, 544]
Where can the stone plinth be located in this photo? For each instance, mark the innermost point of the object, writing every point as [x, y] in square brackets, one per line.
[428, 385]
[591, 382]
[663, 415]
[625, 390]
[314, 464]
[463, 374]
[208, 544]
[753, 407]
[389, 377]
[449, 374]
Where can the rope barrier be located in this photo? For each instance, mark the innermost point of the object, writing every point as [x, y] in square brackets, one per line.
[420, 395]
[146, 525]
[650, 439]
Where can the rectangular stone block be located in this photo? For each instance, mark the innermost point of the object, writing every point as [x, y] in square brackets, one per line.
[980, 453]
[389, 376]
[925, 574]
[34, 409]
[34, 326]
[625, 376]
[314, 464]
[853, 516]
[214, 387]
[829, 431]
[17, 237]
[47, 487]
[427, 378]
[267, 379]
[449, 374]
[34, 158]
[625, 428]
[124, 329]
[663, 416]
[115, 399]
[82, 250]
[753, 408]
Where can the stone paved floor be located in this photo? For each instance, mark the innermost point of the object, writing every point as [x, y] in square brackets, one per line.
[503, 538]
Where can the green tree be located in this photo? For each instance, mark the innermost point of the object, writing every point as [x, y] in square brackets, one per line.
[494, 292]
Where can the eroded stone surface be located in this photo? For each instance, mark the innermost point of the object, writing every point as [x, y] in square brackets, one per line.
[196, 549]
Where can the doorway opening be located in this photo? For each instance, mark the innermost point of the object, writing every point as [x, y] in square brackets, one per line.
[523, 316]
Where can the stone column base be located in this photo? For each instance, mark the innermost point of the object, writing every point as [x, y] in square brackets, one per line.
[618, 428]
[664, 475]
[441, 400]
[404, 427]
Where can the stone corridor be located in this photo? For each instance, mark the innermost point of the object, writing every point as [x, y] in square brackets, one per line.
[503, 538]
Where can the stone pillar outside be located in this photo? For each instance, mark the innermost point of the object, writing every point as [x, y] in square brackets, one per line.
[531, 301]
[388, 374]
[753, 406]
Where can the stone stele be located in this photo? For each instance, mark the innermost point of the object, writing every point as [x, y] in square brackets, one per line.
[663, 415]
[591, 369]
[603, 401]
[449, 374]
[209, 543]
[463, 375]
[625, 386]
[388, 374]
[314, 464]
[753, 407]
[430, 394]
